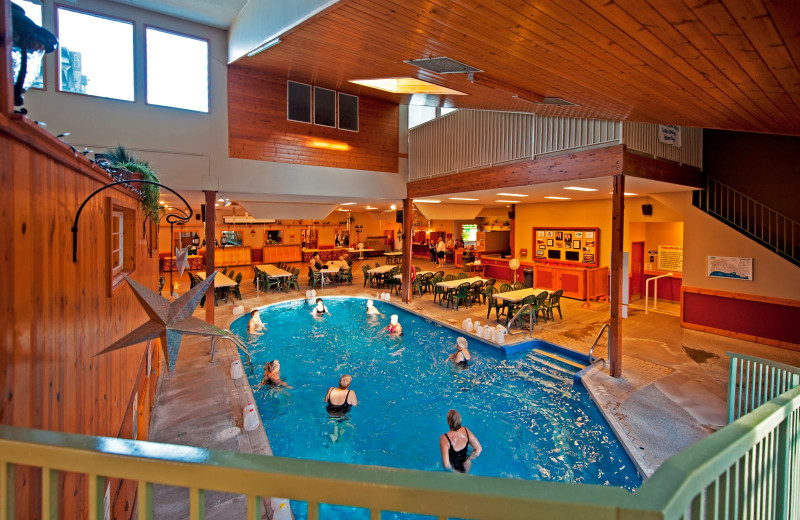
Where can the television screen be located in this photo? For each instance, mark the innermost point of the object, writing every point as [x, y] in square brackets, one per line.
[554, 254]
[574, 256]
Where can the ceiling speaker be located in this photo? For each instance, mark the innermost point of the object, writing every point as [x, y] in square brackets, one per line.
[647, 210]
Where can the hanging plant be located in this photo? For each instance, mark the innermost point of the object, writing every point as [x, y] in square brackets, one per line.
[119, 157]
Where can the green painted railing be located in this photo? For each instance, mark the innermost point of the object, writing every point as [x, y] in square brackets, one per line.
[753, 381]
[749, 469]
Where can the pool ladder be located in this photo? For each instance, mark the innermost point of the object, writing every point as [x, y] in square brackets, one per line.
[596, 340]
[517, 315]
[236, 341]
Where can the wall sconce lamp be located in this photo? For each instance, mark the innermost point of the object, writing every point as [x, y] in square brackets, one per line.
[30, 44]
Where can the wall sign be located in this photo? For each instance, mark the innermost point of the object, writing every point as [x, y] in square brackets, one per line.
[732, 267]
[670, 134]
[670, 258]
[570, 246]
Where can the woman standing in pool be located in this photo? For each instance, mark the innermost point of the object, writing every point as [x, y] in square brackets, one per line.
[320, 309]
[455, 458]
[340, 400]
[256, 326]
[462, 356]
[272, 375]
[394, 326]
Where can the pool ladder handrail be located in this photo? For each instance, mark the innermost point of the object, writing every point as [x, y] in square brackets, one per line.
[236, 341]
[599, 335]
[521, 330]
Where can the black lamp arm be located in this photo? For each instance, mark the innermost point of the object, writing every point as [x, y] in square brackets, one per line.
[172, 219]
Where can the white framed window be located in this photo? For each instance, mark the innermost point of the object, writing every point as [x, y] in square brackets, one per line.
[177, 70]
[418, 114]
[34, 12]
[117, 241]
[95, 54]
[298, 102]
[444, 111]
[324, 107]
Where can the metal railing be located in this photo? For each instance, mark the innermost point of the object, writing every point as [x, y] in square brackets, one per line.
[655, 292]
[596, 340]
[236, 341]
[748, 469]
[517, 317]
[771, 229]
[753, 381]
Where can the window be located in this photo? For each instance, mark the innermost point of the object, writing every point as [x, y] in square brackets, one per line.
[121, 241]
[469, 233]
[444, 111]
[177, 70]
[418, 114]
[348, 112]
[95, 55]
[298, 102]
[324, 107]
[34, 12]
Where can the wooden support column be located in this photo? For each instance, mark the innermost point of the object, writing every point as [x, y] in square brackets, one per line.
[211, 231]
[405, 288]
[512, 239]
[617, 236]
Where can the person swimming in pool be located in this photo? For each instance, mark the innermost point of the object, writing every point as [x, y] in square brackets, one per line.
[394, 326]
[256, 326]
[340, 400]
[462, 356]
[372, 310]
[272, 375]
[454, 445]
[320, 309]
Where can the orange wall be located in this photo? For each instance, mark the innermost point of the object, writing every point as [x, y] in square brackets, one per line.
[258, 128]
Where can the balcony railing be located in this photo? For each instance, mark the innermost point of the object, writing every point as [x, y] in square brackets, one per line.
[749, 469]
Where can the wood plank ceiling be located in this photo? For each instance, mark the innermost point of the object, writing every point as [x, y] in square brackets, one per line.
[730, 64]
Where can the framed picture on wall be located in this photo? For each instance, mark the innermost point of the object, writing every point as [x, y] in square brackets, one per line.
[549, 242]
[588, 258]
[559, 244]
[590, 234]
[549, 234]
[590, 243]
[579, 234]
[540, 233]
[559, 235]
[568, 237]
[576, 244]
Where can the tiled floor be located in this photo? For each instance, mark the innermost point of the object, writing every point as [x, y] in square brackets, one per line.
[672, 392]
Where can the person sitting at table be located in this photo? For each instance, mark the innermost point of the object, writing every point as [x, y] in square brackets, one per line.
[256, 326]
[320, 309]
[317, 263]
[346, 259]
[462, 356]
[272, 376]
[394, 326]
[372, 310]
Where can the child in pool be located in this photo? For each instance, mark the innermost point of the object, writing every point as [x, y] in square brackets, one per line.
[256, 326]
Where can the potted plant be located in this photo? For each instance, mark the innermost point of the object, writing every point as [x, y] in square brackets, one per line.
[119, 157]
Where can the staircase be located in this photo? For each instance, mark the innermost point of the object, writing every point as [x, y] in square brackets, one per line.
[550, 369]
[775, 231]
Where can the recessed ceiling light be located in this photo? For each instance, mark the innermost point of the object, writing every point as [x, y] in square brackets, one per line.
[512, 194]
[460, 198]
[406, 86]
[370, 207]
[627, 193]
[347, 204]
[393, 207]
[578, 188]
[427, 201]
[161, 202]
[509, 201]
[558, 198]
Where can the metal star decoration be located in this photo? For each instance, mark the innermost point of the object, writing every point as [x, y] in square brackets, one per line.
[181, 260]
[168, 320]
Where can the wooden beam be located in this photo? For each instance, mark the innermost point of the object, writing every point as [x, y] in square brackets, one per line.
[645, 167]
[405, 288]
[6, 79]
[600, 162]
[617, 236]
[211, 221]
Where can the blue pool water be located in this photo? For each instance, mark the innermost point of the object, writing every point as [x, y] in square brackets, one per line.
[532, 422]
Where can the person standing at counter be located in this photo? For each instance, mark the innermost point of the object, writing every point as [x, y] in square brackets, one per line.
[440, 251]
[432, 250]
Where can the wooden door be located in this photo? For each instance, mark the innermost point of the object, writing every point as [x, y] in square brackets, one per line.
[637, 270]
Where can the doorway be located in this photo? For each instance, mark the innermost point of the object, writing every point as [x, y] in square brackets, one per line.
[637, 270]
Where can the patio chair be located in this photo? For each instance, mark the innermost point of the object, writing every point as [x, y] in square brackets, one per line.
[518, 286]
[365, 270]
[461, 276]
[505, 287]
[499, 306]
[162, 281]
[416, 286]
[489, 283]
[449, 277]
[391, 282]
[460, 295]
[314, 277]
[293, 282]
[236, 290]
[519, 308]
[439, 273]
[224, 271]
[539, 306]
[346, 275]
[437, 291]
[256, 274]
[554, 302]
[475, 292]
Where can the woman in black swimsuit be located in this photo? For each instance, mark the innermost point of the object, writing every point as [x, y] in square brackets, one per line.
[454, 458]
[462, 356]
[340, 400]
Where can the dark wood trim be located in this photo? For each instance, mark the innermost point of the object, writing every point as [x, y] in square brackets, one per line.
[6, 81]
[405, 288]
[211, 221]
[600, 162]
[617, 240]
[637, 165]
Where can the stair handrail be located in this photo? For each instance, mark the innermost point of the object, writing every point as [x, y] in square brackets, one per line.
[236, 341]
[521, 330]
[655, 292]
[599, 334]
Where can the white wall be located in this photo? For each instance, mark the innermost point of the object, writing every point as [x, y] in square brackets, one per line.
[188, 149]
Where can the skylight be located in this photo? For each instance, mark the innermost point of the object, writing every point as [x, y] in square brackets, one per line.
[406, 86]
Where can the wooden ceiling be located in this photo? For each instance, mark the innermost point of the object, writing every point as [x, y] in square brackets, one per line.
[730, 64]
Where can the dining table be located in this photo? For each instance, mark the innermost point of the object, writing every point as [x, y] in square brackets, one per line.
[393, 257]
[328, 270]
[220, 282]
[272, 271]
[379, 271]
[518, 295]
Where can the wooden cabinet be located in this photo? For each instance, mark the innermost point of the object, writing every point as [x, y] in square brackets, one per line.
[234, 255]
[281, 253]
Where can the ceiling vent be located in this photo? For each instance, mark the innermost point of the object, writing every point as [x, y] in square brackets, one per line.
[443, 65]
[556, 101]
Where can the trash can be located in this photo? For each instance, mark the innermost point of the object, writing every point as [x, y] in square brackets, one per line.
[527, 275]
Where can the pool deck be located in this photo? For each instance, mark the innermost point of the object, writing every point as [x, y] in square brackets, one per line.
[672, 392]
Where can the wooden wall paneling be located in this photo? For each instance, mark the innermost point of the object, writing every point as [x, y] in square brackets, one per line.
[259, 130]
[601, 162]
[639, 165]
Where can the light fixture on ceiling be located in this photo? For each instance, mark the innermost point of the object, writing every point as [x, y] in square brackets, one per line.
[393, 207]
[627, 194]
[406, 86]
[460, 198]
[264, 46]
[347, 204]
[512, 194]
[370, 207]
[443, 65]
[551, 197]
[426, 201]
[161, 202]
[508, 201]
[579, 188]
